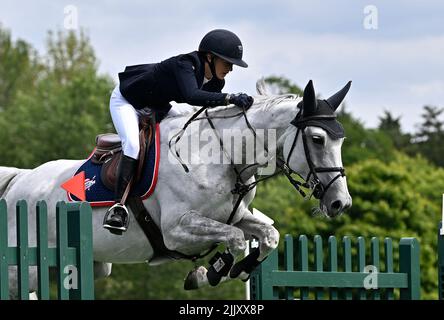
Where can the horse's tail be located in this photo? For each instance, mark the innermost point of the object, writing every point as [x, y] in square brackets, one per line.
[6, 175]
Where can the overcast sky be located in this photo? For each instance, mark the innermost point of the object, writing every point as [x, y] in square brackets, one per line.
[393, 52]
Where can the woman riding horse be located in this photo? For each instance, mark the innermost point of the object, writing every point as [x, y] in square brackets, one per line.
[196, 78]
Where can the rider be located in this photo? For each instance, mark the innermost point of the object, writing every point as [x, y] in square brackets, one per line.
[196, 78]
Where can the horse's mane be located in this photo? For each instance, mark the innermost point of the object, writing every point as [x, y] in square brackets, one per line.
[261, 103]
[266, 102]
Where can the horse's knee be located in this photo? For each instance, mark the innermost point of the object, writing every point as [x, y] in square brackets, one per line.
[269, 242]
[272, 238]
[102, 269]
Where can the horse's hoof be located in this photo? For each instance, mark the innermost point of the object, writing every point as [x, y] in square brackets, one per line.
[195, 278]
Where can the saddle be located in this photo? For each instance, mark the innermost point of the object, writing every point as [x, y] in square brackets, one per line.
[108, 151]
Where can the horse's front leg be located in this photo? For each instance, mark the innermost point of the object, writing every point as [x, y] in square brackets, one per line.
[266, 235]
[192, 232]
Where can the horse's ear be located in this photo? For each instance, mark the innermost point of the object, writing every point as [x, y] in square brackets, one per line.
[310, 105]
[335, 100]
[261, 87]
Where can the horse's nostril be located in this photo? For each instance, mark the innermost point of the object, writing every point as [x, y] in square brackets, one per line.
[336, 205]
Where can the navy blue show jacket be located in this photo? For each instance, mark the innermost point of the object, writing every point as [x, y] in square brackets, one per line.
[179, 79]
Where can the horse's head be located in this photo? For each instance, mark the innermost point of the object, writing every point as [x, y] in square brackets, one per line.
[313, 150]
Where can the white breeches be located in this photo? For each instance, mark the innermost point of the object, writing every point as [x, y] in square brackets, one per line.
[126, 121]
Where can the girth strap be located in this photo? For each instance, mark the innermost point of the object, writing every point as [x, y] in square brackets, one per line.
[154, 235]
[152, 231]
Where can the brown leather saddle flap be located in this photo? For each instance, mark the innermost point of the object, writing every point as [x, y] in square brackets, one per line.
[107, 145]
[110, 151]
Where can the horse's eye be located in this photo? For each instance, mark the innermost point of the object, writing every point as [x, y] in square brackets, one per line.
[318, 139]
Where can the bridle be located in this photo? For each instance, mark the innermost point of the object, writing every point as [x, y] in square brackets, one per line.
[241, 188]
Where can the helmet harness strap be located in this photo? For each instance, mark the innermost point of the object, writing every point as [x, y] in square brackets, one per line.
[211, 64]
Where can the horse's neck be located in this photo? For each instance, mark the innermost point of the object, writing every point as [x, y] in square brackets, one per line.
[277, 117]
[271, 125]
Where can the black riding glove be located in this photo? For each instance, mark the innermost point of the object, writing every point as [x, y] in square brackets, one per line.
[241, 100]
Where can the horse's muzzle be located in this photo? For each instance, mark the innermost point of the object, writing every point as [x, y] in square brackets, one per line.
[337, 207]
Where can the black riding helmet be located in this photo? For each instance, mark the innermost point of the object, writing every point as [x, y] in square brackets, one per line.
[224, 44]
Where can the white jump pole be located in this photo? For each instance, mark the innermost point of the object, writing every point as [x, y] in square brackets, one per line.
[247, 283]
[261, 216]
[441, 232]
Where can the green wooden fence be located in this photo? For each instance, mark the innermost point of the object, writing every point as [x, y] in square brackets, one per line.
[73, 251]
[346, 279]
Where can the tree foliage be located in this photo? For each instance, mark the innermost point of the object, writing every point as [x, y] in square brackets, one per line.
[18, 68]
[391, 126]
[362, 143]
[430, 136]
[58, 110]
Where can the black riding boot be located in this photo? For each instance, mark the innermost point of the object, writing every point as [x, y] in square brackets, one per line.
[117, 218]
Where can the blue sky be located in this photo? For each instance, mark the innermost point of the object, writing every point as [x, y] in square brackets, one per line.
[399, 66]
